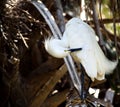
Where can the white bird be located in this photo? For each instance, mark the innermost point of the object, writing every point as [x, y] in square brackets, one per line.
[80, 38]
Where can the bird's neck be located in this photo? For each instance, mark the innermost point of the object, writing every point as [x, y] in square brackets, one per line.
[59, 52]
[56, 48]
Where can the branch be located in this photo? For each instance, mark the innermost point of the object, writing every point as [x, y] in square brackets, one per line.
[114, 27]
[46, 89]
[97, 25]
[60, 17]
[45, 67]
[56, 100]
[94, 101]
[105, 21]
[57, 34]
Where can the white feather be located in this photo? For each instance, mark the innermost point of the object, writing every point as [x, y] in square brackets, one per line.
[78, 34]
[56, 47]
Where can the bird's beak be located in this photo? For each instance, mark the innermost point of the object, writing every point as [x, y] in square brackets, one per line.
[66, 51]
[73, 50]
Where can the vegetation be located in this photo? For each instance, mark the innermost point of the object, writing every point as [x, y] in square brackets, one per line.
[29, 77]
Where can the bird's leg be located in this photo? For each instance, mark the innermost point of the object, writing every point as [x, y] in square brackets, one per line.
[84, 90]
[82, 85]
[89, 84]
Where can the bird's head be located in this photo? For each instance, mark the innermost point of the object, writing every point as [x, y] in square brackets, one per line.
[56, 47]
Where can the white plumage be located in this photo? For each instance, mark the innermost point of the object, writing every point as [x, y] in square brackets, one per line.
[78, 34]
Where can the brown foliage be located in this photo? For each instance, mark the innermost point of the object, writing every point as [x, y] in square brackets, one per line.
[28, 75]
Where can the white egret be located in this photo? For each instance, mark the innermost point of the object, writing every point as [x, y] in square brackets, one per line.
[80, 39]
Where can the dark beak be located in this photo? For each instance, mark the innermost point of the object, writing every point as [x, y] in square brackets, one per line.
[74, 49]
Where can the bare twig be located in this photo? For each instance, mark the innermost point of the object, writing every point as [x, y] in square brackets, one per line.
[97, 25]
[56, 100]
[43, 93]
[60, 17]
[8, 40]
[96, 101]
[114, 25]
[115, 35]
[24, 41]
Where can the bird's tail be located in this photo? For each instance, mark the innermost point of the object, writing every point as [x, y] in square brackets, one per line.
[111, 66]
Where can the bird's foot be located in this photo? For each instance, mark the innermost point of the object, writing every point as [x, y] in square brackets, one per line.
[83, 95]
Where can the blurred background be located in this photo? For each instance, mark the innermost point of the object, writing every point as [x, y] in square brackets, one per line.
[29, 76]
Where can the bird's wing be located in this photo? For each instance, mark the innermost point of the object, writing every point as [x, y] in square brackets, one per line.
[89, 63]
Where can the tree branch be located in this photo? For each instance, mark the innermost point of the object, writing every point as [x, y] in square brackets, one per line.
[97, 25]
[46, 89]
[56, 100]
